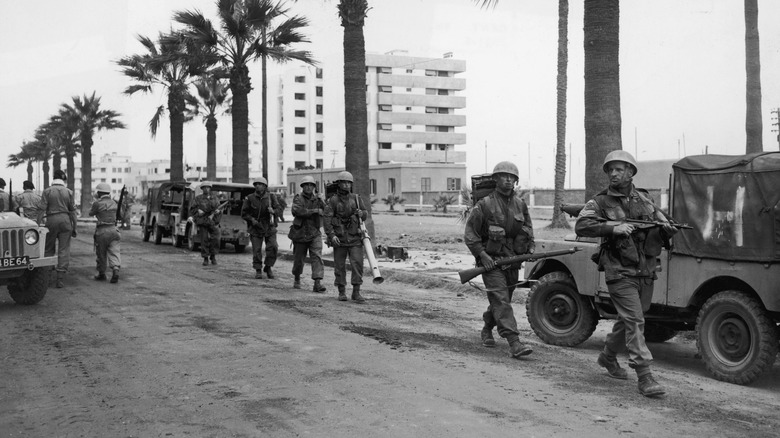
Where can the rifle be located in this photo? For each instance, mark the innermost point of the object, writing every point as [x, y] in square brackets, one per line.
[572, 210]
[10, 195]
[640, 224]
[468, 274]
[119, 217]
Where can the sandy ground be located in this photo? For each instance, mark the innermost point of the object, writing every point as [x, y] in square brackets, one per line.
[175, 349]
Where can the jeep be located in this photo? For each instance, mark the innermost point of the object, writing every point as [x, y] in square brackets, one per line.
[164, 203]
[23, 266]
[233, 229]
[719, 278]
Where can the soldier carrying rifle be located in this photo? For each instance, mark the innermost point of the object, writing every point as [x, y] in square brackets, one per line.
[205, 211]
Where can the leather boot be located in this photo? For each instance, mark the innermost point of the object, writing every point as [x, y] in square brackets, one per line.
[342, 293]
[115, 276]
[101, 276]
[297, 282]
[258, 273]
[268, 271]
[356, 297]
[213, 259]
[60, 278]
[517, 348]
[613, 367]
[318, 287]
[647, 385]
[205, 261]
[487, 337]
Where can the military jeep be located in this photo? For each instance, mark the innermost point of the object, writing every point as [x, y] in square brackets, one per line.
[232, 228]
[23, 266]
[719, 278]
[164, 203]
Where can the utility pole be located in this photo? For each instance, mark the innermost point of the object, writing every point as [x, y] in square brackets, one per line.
[776, 123]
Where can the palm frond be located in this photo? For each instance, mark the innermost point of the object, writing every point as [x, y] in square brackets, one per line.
[155, 122]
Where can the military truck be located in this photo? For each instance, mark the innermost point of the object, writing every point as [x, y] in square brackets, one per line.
[165, 207]
[23, 266]
[719, 278]
[233, 229]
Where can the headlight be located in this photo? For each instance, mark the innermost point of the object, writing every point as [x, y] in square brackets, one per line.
[31, 237]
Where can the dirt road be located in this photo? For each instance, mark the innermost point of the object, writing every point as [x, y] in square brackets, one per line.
[178, 350]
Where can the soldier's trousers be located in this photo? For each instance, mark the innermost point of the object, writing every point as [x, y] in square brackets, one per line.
[314, 248]
[271, 250]
[355, 254]
[107, 248]
[209, 240]
[500, 285]
[631, 298]
[58, 239]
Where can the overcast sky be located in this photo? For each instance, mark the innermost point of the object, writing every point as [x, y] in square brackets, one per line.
[682, 73]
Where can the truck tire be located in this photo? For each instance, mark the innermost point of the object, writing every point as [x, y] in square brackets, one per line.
[30, 287]
[240, 248]
[558, 314]
[158, 234]
[146, 231]
[657, 332]
[736, 338]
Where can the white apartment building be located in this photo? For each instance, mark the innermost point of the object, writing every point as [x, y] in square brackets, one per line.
[115, 170]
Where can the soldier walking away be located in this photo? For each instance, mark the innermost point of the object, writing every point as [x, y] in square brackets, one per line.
[307, 211]
[628, 258]
[59, 208]
[5, 198]
[282, 201]
[206, 215]
[106, 233]
[259, 212]
[343, 211]
[499, 226]
[29, 202]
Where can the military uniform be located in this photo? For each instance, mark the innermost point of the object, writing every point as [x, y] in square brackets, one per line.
[259, 212]
[58, 206]
[306, 236]
[30, 204]
[5, 201]
[106, 237]
[208, 224]
[341, 221]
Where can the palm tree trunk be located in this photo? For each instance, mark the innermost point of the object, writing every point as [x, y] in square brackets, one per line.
[176, 116]
[558, 217]
[264, 113]
[211, 149]
[70, 159]
[753, 123]
[240, 86]
[30, 170]
[86, 174]
[46, 170]
[56, 160]
[602, 89]
[356, 117]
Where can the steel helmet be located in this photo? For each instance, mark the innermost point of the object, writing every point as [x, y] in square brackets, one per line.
[103, 187]
[205, 184]
[344, 176]
[260, 180]
[307, 180]
[506, 167]
[620, 155]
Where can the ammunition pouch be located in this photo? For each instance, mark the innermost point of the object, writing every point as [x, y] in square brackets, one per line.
[496, 240]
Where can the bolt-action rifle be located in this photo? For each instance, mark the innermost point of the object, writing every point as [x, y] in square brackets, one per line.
[119, 204]
[640, 224]
[468, 274]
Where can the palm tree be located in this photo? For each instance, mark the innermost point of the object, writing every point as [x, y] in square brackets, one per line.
[753, 123]
[24, 156]
[353, 14]
[243, 23]
[164, 66]
[602, 89]
[85, 114]
[69, 134]
[212, 94]
[558, 217]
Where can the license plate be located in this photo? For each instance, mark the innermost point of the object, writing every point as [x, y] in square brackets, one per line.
[10, 262]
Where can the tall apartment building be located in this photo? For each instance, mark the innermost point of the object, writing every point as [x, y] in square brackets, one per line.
[412, 108]
[115, 170]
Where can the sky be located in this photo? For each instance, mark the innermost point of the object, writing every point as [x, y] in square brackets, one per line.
[682, 74]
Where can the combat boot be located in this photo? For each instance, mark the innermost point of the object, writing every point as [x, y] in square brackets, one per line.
[205, 261]
[101, 276]
[268, 272]
[297, 282]
[517, 348]
[213, 259]
[59, 281]
[342, 293]
[648, 387]
[258, 273]
[356, 297]
[115, 276]
[487, 337]
[318, 287]
[613, 367]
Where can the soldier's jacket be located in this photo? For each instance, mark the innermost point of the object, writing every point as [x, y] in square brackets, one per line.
[104, 210]
[5, 201]
[259, 213]
[57, 199]
[341, 220]
[208, 204]
[620, 256]
[30, 202]
[307, 222]
[501, 226]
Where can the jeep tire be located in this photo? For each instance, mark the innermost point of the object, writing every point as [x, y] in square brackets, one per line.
[736, 338]
[146, 232]
[30, 287]
[158, 234]
[558, 314]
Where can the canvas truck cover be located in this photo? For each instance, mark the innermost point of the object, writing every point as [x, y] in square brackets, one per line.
[159, 189]
[731, 201]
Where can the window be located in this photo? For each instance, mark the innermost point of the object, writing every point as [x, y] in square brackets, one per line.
[408, 108]
[300, 96]
[300, 164]
[428, 147]
[319, 164]
[391, 185]
[442, 129]
[385, 145]
[430, 72]
[385, 107]
[430, 110]
[408, 146]
[444, 110]
[318, 91]
[408, 127]
[425, 184]
[443, 92]
[453, 183]
[372, 187]
[319, 145]
[104, 180]
[127, 170]
[113, 180]
[300, 130]
[319, 109]
[385, 70]
[300, 79]
[300, 147]
[385, 89]
[443, 74]
[102, 170]
[300, 113]
[384, 127]
[318, 73]
[409, 70]
[408, 90]
[319, 127]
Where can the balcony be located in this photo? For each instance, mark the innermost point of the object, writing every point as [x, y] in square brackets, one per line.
[421, 119]
[421, 100]
[407, 156]
[420, 137]
[409, 81]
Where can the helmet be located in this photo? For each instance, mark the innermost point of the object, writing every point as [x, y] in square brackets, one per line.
[620, 155]
[506, 167]
[103, 187]
[344, 176]
[307, 180]
[260, 180]
[205, 184]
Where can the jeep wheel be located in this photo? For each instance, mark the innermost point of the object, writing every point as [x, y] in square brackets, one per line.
[158, 234]
[558, 314]
[240, 248]
[657, 332]
[736, 338]
[146, 231]
[30, 287]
